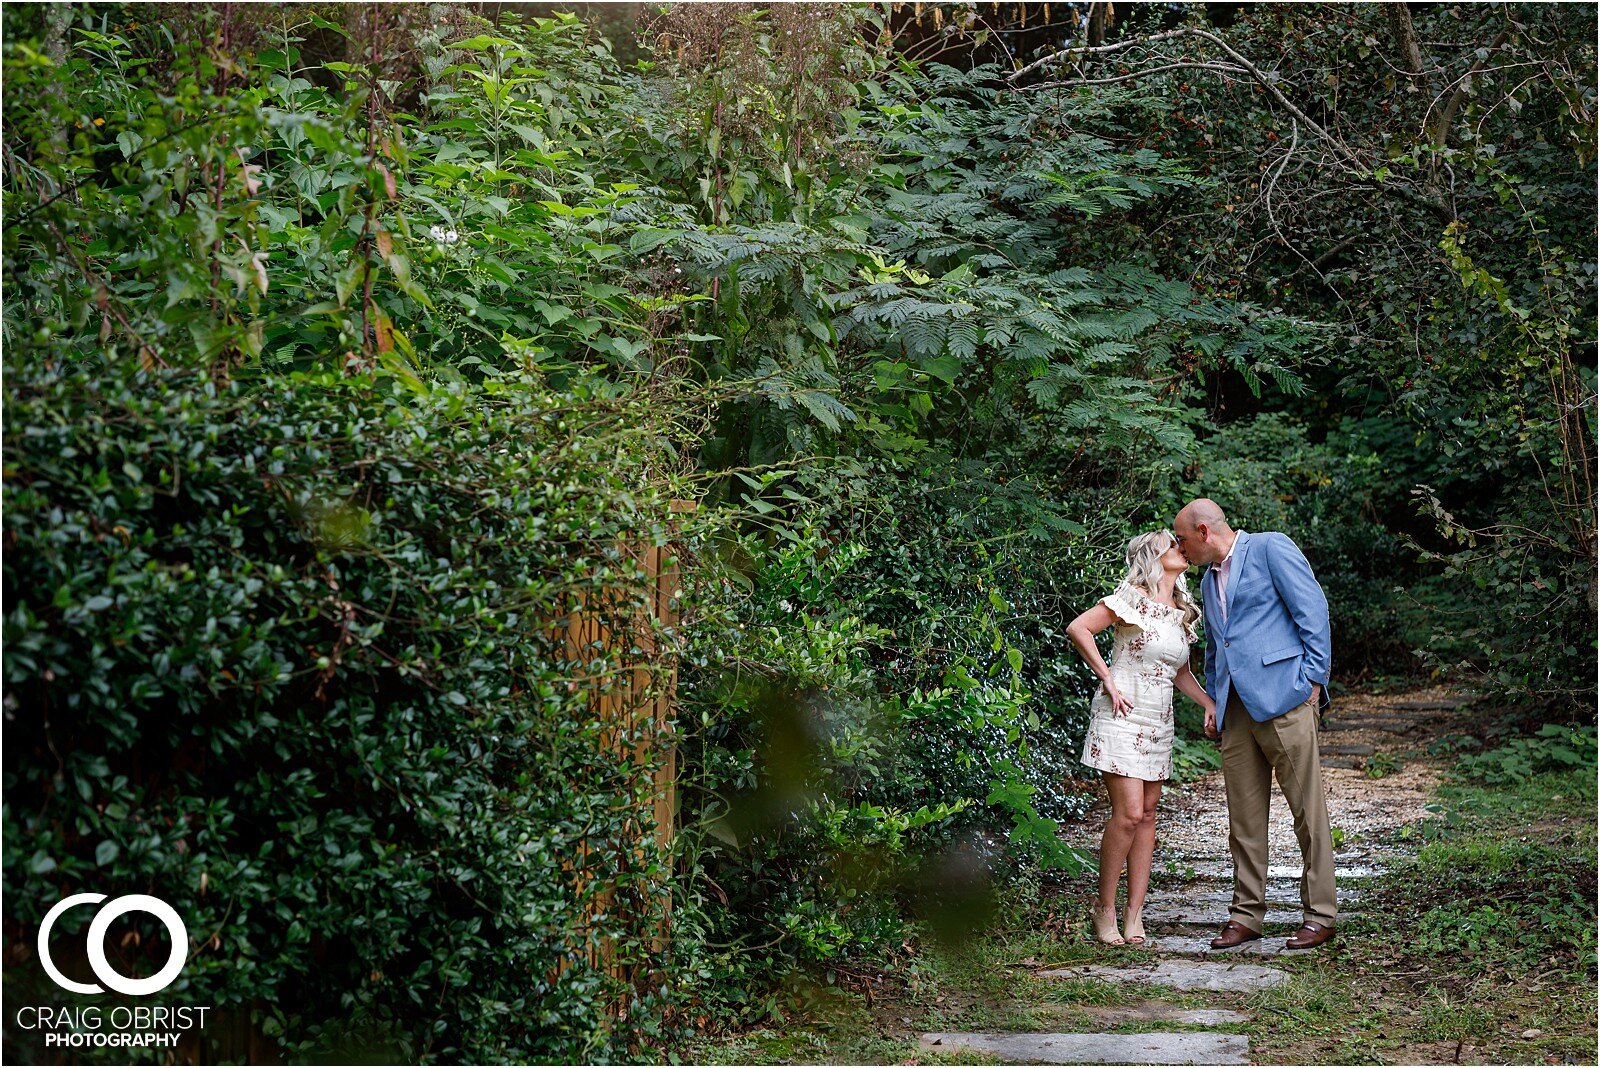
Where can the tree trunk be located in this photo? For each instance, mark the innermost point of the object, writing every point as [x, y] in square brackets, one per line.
[1405, 42]
[1099, 15]
[57, 19]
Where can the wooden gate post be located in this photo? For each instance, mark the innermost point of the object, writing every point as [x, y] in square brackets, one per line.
[668, 590]
[636, 705]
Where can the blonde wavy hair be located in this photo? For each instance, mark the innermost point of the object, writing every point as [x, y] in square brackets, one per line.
[1144, 571]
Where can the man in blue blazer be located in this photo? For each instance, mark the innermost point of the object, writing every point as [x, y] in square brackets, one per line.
[1268, 653]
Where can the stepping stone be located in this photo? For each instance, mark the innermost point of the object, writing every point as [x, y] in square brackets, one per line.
[1434, 706]
[1215, 869]
[1158, 1012]
[1348, 872]
[1343, 763]
[1348, 750]
[1288, 893]
[1192, 1047]
[1179, 974]
[1369, 725]
[1211, 915]
[1261, 947]
[1281, 892]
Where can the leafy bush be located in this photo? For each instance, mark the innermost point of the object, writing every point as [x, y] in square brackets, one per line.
[1553, 747]
[242, 196]
[286, 654]
[1380, 764]
[887, 731]
[977, 586]
[1194, 758]
[790, 862]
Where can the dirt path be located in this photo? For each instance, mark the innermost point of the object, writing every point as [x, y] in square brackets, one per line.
[1361, 734]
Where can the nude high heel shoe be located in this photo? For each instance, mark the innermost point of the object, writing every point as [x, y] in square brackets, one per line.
[1133, 928]
[1105, 925]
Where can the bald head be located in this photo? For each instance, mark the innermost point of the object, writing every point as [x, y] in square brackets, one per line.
[1203, 510]
[1204, 536]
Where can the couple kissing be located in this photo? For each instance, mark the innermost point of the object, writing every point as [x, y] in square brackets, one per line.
[1267, 658]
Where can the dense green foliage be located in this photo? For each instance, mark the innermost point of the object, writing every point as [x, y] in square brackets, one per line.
[346, 347]
[291, 645]
[1434, 209]
[1552, 748]
[281, 607]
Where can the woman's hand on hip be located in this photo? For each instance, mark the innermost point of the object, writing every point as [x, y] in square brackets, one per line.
[1120, 705]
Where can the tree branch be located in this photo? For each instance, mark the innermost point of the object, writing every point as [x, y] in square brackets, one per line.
[1225, 68]
[1328, 256]
[1405, 38]
[1269, 85]
[1072, 53]
[1441, 131]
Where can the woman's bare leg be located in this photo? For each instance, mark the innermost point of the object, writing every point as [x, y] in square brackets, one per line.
[1127, 814]
[1141, 854]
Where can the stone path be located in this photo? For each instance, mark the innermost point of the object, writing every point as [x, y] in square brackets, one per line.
[1178, 974]
[1176, 1047]
[1191, 889]
[1154, 1010]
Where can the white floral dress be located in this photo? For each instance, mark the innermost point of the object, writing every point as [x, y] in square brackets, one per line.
[1151, 644]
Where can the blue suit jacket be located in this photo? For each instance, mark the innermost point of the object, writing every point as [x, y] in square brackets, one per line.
[1276, 641]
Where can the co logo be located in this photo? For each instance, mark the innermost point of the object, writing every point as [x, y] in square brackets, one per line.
[98, 927]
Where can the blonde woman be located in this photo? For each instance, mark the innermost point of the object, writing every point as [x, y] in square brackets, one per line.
[1130, 729]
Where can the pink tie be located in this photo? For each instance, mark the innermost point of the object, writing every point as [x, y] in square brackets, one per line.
[1222, 587]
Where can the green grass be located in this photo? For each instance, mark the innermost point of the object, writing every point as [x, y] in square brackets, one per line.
[1447, 1016]
[1486, 935]
[1507, 874]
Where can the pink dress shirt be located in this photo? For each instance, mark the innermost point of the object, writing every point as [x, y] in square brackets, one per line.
[1222, 577]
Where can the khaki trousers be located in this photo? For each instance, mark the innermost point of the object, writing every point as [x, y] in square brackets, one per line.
[1251, 753]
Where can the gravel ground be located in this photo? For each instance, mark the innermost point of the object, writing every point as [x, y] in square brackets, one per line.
[1193, 822]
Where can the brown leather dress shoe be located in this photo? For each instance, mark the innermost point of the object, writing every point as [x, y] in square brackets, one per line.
[1310, 936]
[1234, 934]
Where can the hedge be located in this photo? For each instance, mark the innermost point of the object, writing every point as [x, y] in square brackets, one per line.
[281, 653]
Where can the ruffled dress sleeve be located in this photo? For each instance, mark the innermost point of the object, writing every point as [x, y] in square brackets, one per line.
[1127, 604]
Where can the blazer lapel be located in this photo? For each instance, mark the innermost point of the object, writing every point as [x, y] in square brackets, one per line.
[1208, 593]
[1241, 555]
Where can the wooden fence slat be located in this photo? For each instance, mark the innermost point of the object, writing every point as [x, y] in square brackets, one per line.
[635, 707]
